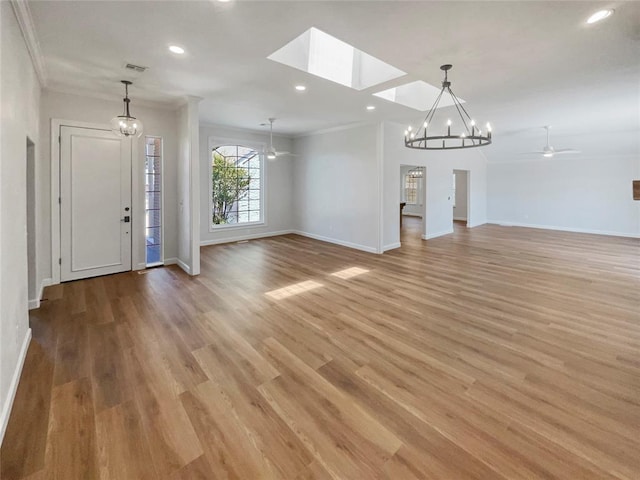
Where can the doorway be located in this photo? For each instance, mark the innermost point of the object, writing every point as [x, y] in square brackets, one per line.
[460, 197]
[412, 208]
[31, 224]
[95, 203]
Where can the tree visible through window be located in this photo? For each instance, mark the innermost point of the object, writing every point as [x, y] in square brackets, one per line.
[236, 185]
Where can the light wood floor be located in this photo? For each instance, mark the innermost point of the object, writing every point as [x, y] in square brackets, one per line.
[492, 353]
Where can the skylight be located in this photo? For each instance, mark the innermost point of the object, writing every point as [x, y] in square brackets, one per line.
[418, 95]
[322, 55]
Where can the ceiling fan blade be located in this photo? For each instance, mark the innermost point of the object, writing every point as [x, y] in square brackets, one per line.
[566, 150]
[540, 152]
[287, 154]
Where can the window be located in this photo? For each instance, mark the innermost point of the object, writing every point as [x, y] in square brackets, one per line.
[411, 189]
[236, 186]
[153, 200]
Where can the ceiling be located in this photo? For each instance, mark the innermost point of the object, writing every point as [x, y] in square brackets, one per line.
[521, 65]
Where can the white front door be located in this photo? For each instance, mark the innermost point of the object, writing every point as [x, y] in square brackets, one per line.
[95, 203]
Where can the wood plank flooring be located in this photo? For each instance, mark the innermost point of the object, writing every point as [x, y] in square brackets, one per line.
[492, 353]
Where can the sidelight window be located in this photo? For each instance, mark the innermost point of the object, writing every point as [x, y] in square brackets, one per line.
[153, 201]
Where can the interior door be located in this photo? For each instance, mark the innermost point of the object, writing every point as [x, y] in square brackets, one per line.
[95, 203]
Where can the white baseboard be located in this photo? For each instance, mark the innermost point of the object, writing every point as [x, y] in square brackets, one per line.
[13, 386]
[460, 219]
[437, 234]
[505, 223]
[140, 266]
[391, 246]
[357, 246]
[183, 266]
[171, 261]
[239, 238]
[470, 225]
[409, 214]
[35, 303]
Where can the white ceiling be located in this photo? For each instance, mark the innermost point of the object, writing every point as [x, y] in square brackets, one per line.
[519, 64]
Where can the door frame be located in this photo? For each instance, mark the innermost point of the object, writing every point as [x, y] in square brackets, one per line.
[422, 197]
[137, 229]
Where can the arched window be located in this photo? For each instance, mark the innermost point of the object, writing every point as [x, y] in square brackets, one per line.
[236, 186]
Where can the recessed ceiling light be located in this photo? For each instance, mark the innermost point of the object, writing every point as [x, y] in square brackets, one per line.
[371, 107]
[601, 15]
[301, 88]
[176, 49]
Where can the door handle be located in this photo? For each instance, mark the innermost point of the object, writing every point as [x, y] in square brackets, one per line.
[126, 219]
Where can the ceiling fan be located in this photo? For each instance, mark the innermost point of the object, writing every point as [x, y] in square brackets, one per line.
[548, 151]
[271, 153]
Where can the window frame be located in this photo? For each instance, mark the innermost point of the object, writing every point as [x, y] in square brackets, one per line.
[162, 206]
[215, 142]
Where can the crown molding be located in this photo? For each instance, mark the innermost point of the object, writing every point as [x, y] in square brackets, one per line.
[23, 15]
[339, 128]
[172, 105]
[241, 131]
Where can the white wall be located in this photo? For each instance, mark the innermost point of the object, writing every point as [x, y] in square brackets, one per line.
[460, 208]
[278, 185]
[189, 187]
[157, 122]
[337, 186]
[19, 106]
[409, 209]
[439, 168]
[568, 192]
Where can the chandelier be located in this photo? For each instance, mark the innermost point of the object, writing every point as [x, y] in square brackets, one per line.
[470, 135]
[417, 172]
[125, 125]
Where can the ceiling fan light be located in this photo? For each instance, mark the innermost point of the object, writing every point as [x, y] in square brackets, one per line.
[547, 155]
[599, 15]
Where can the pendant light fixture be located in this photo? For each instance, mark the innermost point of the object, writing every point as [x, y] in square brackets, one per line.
[125, 125]
[430, 135]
